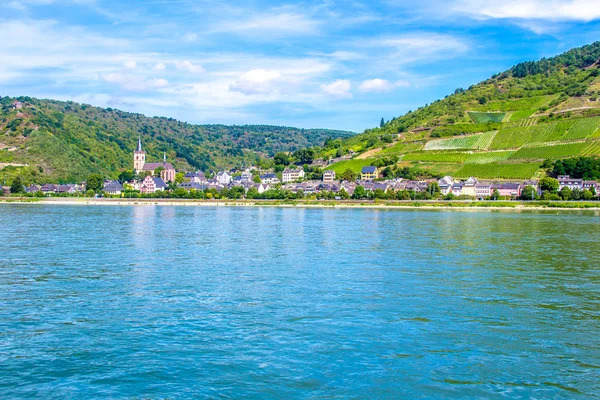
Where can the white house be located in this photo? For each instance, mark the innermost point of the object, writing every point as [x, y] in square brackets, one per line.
[223, 178]
[292, 174]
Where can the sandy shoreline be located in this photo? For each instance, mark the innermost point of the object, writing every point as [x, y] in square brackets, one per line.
[426, 205]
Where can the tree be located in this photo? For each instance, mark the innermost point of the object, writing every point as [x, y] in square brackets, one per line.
[382, 123]
[252, 193]
[587, 195]
[549, 185]
[565, 193]
[179, 178]
[359, 192]
[343, 194]
[17, 185]
[256, 179]
[282, 159]
[126, 176]
[495, 195]
[158, 171]
[95, 182]
[434, 189]
[528, 193]
[348, 175]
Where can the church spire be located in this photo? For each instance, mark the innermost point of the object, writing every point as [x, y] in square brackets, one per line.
[164, 157]
[139, 147]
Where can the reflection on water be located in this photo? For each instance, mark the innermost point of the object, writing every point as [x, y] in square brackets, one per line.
[155, 301]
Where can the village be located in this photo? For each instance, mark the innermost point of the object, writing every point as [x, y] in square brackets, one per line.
[160, 179]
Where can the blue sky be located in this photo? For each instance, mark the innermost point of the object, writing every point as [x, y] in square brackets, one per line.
[329, 64]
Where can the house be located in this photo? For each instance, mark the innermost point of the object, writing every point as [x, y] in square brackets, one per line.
[369, 173]
[69, 188]
[152, 184]
[269, 178]
[445, 184]
[292, 174]
[113, 188]
[223, 178]
[468, 188]
[49, 188]
[262, 187]
[457, 188]
[329, 176]
[483, 190]
[592, 186]
[507, 189]
[571, 183]
[17, 105]
[246, 176]
[192, 185]
[195, 177]
[33, 189]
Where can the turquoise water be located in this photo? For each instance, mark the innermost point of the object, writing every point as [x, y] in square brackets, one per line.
[179, 302]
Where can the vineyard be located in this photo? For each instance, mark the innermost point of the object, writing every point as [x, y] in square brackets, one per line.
[473, 142]
[592, 149]
[401, 148]
[458, 157]
[582, 128]
[479, 117]
[498, 171]
[544, 152]
[510, 138]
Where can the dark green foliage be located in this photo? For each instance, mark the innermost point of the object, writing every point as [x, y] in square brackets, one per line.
[17, 185]
[580, 167]
[69, 140]
[95, 182]
[549, 185]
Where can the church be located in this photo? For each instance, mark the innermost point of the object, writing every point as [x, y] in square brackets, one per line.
[140, 165]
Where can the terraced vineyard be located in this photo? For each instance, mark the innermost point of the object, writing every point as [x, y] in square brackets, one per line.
[479, 117]
[553, 152]
[510, 138]
[582, 128]
[473, 142]
[499, 171]
[592, 149]
[458, 157]
[401, 148]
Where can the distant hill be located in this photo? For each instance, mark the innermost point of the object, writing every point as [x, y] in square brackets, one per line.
[501, 128]
[46, 140]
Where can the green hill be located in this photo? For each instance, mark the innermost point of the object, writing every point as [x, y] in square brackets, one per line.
[501, 128]
[46, 140]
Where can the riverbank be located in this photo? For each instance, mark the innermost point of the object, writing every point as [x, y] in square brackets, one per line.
[421, 204]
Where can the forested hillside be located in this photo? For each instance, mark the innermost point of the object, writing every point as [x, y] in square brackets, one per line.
[46, 140]
[501, 128]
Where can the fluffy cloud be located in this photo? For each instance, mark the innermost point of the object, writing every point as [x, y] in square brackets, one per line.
[187, 66]
[190, 37]
[134, 83]
[380, 85]
[159, 67]
[340, 88]
[130, 64]
[573, 10]
[256, 81]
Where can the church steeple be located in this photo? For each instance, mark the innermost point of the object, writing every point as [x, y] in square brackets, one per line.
[139, 147]
[164, 157]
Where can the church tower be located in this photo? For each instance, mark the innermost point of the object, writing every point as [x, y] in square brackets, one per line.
[139, 157]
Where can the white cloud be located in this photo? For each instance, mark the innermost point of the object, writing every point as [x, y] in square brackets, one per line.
[158, 83]
[190, 37]
[187, 66]
[130, 64]
[134, 83]
[256, 81]
[381, 85]
[566, 10]
[159, 67]
[270, 25]
[340, 88]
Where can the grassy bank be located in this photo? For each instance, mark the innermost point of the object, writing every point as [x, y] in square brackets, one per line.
[565, 205]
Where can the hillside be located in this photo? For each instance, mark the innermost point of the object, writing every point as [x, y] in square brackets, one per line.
[501, 128]
[46, 140]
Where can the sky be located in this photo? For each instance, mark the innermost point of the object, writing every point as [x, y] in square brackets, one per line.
[310, 64]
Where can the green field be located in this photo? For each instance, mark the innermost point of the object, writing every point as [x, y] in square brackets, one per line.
[510, 138]
[582, 128]
[479, 117]
[592, 149]
[400, 148]
[499, 171]
[458, 157]
[544, 152]
[355, 165]
[473, 142]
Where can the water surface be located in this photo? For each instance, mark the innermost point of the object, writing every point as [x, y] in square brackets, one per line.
[177, 302]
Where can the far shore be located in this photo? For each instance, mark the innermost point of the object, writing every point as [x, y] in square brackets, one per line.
[365, 204]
